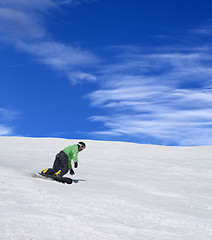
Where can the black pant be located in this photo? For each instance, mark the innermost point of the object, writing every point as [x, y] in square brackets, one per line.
[61, 163]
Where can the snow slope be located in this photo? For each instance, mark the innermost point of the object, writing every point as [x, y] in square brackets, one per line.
[130, 192]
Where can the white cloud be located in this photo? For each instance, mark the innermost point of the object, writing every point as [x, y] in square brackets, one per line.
[79, 76]
[22, 24]
[29, 4]
[7, 117]
[202, 30]
[5, 131]
[168, 98]
[58, 55]
[16, 24]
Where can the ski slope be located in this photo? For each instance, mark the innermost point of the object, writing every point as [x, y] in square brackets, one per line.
[125, 191]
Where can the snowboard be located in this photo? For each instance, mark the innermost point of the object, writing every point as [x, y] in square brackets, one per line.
[58, 179]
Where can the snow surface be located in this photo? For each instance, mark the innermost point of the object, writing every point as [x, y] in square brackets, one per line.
[131, 191]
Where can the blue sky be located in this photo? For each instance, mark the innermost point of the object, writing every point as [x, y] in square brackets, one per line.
[130, 70]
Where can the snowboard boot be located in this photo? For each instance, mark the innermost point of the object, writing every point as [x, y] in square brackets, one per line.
[58, 173]
[48, 171]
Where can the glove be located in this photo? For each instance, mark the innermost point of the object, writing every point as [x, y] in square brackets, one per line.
[72, 172]
[76, 164]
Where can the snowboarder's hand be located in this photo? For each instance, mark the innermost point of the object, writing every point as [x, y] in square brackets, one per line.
[72, 172]
[76, 164]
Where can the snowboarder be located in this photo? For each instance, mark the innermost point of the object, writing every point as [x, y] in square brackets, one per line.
[63, 160]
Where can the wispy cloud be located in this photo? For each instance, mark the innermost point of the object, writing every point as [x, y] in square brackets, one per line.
[29, 4]
[165, 96]
[58, 55]
[6, 119]
[23, 24]
[201, 30]
[18, 25]
[8, 115]
[5, 131]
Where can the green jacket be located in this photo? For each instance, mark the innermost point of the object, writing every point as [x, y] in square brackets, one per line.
[72, 153]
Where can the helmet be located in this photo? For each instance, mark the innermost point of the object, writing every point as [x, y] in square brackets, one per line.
[81, 144]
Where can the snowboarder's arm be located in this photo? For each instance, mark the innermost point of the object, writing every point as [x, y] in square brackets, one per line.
[69, 164]
[75, 157]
